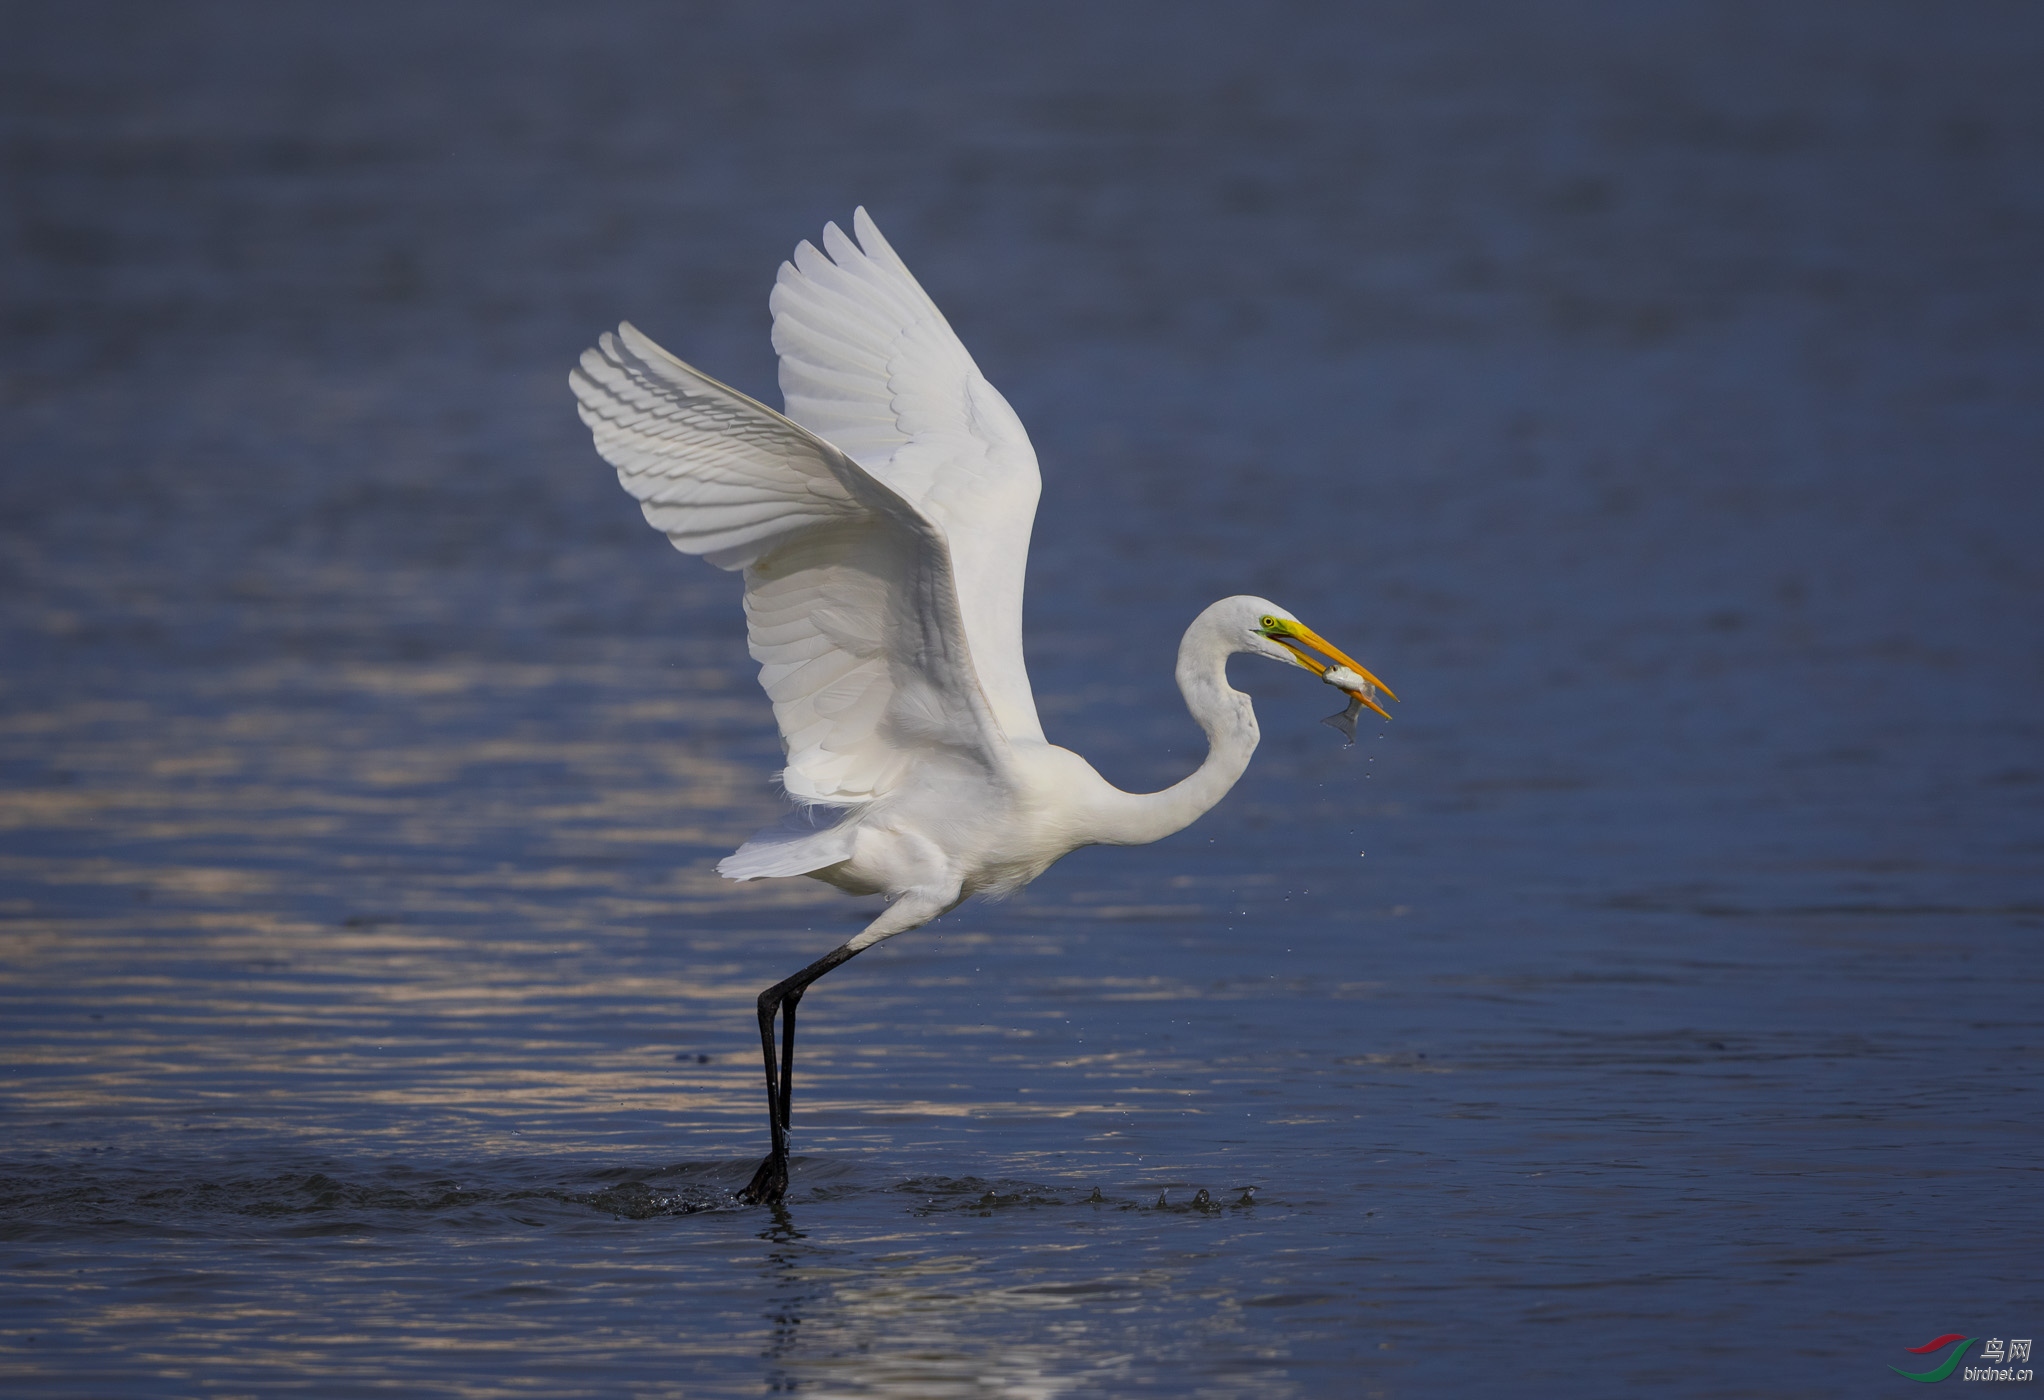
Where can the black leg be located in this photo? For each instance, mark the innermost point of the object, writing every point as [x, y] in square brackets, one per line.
[793, 1000]
[770, 1182]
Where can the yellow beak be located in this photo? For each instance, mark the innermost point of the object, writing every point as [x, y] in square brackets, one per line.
[1295, 637]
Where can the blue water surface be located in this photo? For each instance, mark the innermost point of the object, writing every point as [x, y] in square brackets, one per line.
[1651, 394]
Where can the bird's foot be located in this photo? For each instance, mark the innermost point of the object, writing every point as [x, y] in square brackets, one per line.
[769, 1183]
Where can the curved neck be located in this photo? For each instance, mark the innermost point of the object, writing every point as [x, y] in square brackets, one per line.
[1230, 724]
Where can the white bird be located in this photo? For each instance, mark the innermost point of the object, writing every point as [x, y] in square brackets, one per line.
[882, 526]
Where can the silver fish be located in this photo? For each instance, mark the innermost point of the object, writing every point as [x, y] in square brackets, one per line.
[1345, 722]
[1362, 691]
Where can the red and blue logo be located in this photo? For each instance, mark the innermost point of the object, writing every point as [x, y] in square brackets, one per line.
[1998, 1359]
[1945, 1368]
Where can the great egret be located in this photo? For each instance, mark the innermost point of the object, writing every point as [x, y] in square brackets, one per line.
[882, 525]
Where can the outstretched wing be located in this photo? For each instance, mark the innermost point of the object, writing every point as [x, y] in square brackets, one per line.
[850, 598]
[869, 364]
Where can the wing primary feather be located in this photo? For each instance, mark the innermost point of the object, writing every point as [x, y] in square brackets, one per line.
[844, 516]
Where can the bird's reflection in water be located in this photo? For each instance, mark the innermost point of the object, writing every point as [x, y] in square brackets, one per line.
[794, 1295]
[863, 1319]
[891, 1332]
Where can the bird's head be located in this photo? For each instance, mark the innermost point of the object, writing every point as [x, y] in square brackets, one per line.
[1264, 628]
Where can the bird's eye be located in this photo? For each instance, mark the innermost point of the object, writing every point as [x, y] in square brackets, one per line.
[1270, 624]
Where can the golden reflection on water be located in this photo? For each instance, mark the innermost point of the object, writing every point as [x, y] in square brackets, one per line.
[388, 914]
[282, 891]
[357, 904]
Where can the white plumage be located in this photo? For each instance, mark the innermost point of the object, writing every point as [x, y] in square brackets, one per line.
[883, 526]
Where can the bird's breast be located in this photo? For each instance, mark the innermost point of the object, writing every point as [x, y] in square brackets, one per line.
[975, 831]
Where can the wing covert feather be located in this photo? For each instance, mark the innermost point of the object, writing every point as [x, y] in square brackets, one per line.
[850, 596]
[870, 364]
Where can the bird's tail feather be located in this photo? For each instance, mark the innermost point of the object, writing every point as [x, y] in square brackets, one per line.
[807, 839]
